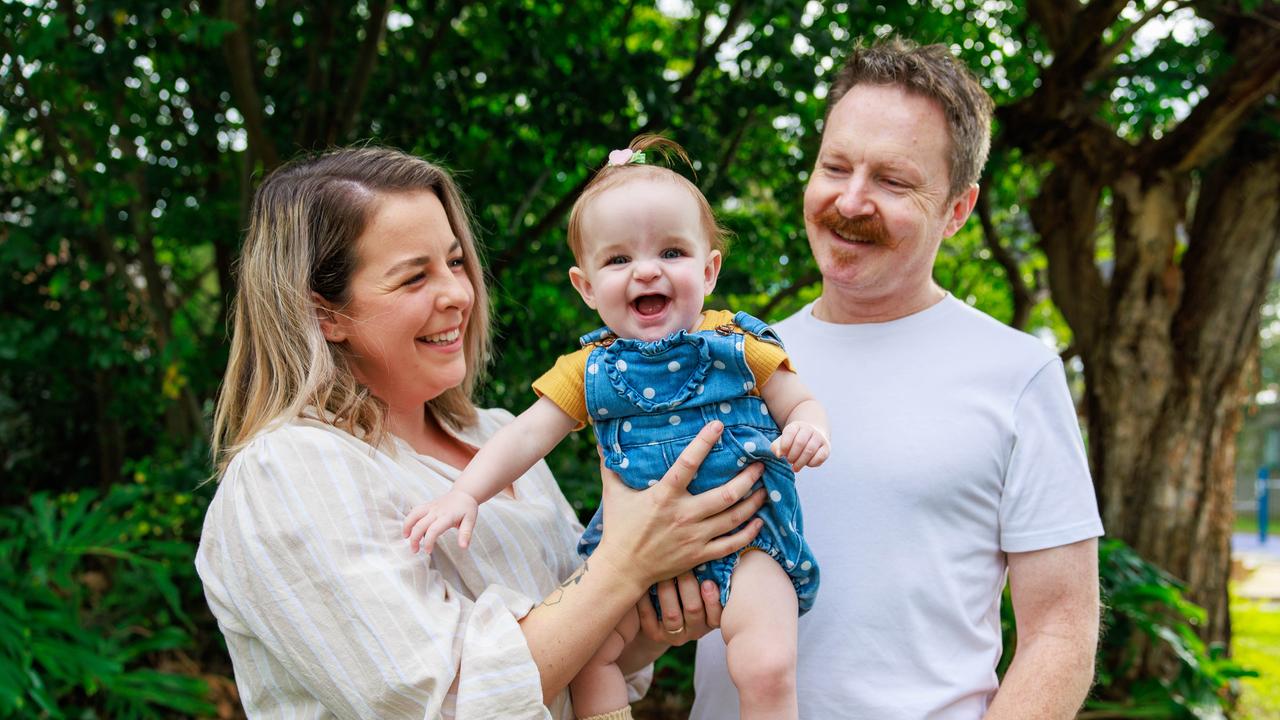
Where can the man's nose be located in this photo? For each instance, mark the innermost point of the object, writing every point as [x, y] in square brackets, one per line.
[854, 199]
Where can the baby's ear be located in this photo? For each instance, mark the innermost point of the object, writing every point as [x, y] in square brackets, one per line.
[583, 286]
[330, 320]
[712, 272]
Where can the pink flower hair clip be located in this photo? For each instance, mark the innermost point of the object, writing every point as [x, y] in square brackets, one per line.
[626, 156]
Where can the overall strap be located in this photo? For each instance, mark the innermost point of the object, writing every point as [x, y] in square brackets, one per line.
[757, 327]
[596, 336]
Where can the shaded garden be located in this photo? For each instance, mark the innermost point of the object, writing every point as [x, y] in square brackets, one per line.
[1130, 215]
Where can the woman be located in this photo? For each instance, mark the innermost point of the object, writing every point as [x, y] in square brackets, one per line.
[360, 329]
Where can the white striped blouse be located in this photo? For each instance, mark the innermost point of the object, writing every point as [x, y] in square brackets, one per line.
[327, 613]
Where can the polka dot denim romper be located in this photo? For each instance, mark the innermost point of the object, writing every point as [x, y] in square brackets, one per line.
[648, 399]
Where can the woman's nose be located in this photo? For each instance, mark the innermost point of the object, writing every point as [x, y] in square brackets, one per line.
[455, 292]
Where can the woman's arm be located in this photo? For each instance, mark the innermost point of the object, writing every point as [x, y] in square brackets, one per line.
[650, 535]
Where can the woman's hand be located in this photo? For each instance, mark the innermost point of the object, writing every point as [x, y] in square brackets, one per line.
[689, 610]
[660, 532]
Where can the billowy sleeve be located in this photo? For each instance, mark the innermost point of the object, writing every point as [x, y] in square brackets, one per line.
[323, 604]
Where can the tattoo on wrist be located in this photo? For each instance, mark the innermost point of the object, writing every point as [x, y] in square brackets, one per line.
[558, 594]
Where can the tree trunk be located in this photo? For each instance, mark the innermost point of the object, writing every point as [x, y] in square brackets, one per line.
[1164, 341]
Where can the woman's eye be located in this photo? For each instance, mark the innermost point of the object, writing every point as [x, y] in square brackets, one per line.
[417, 278]
[457, 262]
[672, 253]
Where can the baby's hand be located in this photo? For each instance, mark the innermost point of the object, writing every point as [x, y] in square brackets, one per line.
[428, 521]
[802, 444]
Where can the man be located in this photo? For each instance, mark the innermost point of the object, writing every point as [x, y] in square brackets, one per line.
[955, 453]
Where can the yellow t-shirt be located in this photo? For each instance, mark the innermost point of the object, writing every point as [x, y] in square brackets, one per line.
[563, 383]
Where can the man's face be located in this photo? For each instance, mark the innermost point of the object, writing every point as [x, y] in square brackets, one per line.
[876, 207]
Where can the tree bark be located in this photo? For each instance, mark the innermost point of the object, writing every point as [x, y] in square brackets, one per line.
[1167, 325]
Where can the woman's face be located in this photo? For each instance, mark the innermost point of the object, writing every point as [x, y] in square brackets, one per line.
[410, 299]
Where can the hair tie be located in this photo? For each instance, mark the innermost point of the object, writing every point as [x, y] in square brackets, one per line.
[626, 156]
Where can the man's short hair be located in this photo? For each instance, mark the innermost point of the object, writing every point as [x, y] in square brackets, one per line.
[930, 71]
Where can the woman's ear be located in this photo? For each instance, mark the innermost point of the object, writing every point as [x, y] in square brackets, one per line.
[330, 320]
[583, 286]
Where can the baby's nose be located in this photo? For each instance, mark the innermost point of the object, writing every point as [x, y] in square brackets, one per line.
[646, 269]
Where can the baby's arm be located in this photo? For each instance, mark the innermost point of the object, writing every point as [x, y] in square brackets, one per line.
[803, 441]
[504, 458]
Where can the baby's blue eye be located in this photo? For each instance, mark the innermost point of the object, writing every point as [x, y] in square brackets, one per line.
[617, 260]
[672, 253]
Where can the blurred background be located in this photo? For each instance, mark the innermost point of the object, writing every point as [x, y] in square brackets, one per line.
[1129, 217]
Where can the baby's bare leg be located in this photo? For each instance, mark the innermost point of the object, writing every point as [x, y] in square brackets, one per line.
[759, 627]
[599, 687]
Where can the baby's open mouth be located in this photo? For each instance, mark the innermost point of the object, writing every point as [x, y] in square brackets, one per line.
[648, 305]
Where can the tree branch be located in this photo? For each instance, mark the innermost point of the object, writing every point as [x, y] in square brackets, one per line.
[1064, 214]
[704, 57]
[1022, 297]
[375, 28]
[527, 200]
[313, 120]
[721, 169]
[442, 27]
[103, 249]
[1207, 132]
[1085, 49]
[1054, 19]
[498, 264]
[239, 56]
[1107, 55]
[627, 14]
[788, 292]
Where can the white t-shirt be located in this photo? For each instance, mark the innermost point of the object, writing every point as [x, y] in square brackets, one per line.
[954, 441]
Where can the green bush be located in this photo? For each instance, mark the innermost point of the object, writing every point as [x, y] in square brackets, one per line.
[92, 603]
[1142, 600]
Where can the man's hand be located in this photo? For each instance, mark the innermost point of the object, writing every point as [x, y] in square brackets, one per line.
[428, 521]
[802, 444]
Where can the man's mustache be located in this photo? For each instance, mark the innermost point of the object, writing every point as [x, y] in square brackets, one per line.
[867, 228]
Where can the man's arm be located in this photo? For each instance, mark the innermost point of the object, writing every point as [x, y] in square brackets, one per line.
[1055, 604]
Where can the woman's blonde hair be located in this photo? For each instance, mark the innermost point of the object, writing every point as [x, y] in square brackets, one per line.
[609, 176]
[306, 220]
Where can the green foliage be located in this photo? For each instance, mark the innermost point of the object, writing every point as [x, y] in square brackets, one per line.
[92, 603]
[1141, 599]
[128, 155]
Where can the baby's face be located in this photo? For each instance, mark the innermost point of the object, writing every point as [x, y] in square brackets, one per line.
[647, 264]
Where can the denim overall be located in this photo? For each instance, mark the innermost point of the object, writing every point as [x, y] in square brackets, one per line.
[648, 399]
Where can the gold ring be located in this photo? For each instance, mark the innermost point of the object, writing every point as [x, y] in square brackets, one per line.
[674, 632]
